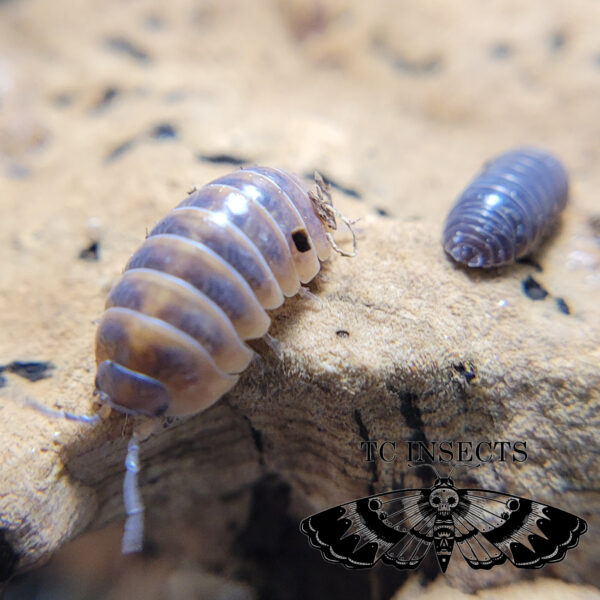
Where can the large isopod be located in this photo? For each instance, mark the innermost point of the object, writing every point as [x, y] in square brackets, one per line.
[507, 209]
[171, 340]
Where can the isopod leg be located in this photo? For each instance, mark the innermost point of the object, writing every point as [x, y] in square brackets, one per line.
[133, 536]
[63, 414]
[274, 344]
[306, 294]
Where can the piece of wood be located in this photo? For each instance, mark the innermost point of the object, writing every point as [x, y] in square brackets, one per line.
[428, 353]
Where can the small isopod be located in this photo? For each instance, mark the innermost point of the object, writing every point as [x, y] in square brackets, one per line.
[171, 340]
[506, 209]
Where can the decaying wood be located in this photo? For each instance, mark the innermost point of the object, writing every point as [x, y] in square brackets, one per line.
[405, 347]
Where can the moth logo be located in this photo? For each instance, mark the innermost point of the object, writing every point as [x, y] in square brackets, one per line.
[402, 526]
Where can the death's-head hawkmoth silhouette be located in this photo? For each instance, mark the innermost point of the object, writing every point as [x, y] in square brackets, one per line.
[400, 528]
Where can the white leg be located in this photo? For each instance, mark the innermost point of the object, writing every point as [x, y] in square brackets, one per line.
[62, 414]
[305, 293]
[133, 536]
[274, 345]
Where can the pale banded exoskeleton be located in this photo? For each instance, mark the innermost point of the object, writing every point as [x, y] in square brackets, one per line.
[171, 340]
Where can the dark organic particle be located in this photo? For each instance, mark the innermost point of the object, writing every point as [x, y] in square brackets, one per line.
[507, 209]
[533, 289]
[500, 50]
[466, 371]
[91, 252]
[342, 333]
[340, 187]
[557, 40]
[109, 94]
[164, 131]
[124, 46]
[31, 370]
[382, 212]
[416, 67]
[222, 159]
[63, 100]
[119, 150]
[562, 306]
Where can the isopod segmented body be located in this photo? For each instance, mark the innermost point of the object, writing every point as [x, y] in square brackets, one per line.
[171, 339]
[506, 209]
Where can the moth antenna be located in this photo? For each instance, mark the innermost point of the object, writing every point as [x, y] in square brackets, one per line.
[426, 465]
[464, 466]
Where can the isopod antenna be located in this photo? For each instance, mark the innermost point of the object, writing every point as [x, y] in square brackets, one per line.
[133, 534]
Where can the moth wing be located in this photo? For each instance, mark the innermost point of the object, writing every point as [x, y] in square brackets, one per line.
[491, 526]
[397, 526]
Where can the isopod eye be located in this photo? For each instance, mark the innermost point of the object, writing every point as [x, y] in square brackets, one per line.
[300, 238]
[435, 500]
[451, 500]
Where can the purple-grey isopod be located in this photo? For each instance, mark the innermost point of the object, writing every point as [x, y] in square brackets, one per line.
[506, 209]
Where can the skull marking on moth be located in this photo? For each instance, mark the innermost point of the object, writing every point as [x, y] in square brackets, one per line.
[443, 500]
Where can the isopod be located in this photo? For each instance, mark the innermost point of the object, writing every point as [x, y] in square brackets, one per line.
[171, 340]
[506, 209]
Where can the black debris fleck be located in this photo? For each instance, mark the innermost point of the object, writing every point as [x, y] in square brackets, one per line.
[91, 252]
[109, 94]
[425, 66]
[466, 370]
[342, 333]
[222, 159]
[164, 131]
[557, 40]
[500, 50]
[353, 193]
[119, 151]
[382, 212]
[533, 289]
[562, 306]
[31, 370]
[124, 46]
[154, 23]
[422, 67]
[530, 262]
[63, 100]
